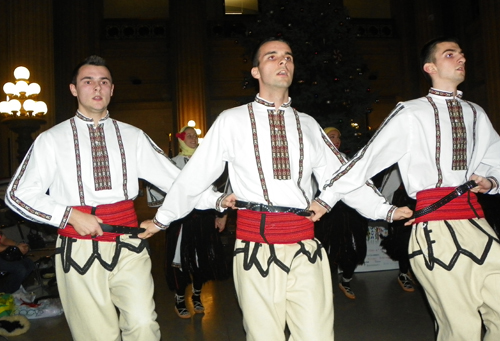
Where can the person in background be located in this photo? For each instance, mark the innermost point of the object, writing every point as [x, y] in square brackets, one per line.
[395, 244]
[15, 271]
[194, 251]
[446, 149]
[343, 232]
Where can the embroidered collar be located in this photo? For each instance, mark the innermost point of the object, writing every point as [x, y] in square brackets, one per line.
[89, 120]
[262, 101]
[443, 93]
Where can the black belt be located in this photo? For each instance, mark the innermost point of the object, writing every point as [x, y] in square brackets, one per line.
[443, 201]
[253, 206]
[134, 231]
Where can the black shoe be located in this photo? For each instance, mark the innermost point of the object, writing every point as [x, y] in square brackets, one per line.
[198, 306]
[346, 289]
[405, 282]
[180, 307]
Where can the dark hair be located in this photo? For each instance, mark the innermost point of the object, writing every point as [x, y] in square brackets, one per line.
[255, 60]
[428, 52]
[92, 60]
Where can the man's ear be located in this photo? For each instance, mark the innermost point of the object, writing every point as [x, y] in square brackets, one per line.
[430, 68]
[72, 88]
[255, 72]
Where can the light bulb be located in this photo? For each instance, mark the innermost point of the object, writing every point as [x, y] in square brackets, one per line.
[33, 89]
[29, 105]
[15, 105]
[9, 88]
[191, 123]
[40, 107]
[21, 86]
[21, 73]
[198, 131]
[4, 107]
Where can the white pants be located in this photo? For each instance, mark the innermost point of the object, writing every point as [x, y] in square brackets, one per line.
[90, 300]
[272, 298]
[468, 292]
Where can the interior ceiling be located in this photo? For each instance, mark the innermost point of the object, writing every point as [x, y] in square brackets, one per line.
[148, 9]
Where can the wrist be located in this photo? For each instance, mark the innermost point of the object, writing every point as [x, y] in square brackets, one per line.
[492, 185]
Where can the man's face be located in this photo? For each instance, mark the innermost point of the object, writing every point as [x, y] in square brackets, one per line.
[276, 66]
[93, 89]
[449, 65]
[191, 139]
[334, 136]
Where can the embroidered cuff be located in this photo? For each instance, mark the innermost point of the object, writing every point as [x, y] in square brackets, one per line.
[324, 204]
[65, 218]
[390, 214]
[159, 225]
[494, 184]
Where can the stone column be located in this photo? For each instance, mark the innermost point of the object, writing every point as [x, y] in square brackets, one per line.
[188, 45]
[27, 41]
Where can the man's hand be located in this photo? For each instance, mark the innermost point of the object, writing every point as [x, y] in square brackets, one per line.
[85, 224]
[483, 184]
[402, 213]
[318, 210]
[229, 201]
[150, 227]
[220, 222]
[23, 247]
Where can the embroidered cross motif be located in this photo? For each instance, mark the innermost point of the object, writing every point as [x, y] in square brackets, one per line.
[100, 159]
[459, 135]
[279, 145]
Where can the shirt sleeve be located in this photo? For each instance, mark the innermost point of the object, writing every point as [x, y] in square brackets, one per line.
[365, 198]
[385, 148]
[27, 193]
[193, 187]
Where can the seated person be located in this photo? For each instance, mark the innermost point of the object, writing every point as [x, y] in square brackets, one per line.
[15, 271]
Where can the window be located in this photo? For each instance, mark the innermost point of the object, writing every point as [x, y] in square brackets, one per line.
[241, 7]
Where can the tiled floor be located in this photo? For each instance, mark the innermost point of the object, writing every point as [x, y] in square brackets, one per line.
[382, 311]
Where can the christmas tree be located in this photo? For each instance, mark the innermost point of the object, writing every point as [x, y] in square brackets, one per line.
[329, 82]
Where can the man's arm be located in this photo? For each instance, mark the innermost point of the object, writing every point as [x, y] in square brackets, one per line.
[193, 186]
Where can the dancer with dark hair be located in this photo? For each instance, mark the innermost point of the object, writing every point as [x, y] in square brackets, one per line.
[78, 175]
[281, 272]
[446, 149]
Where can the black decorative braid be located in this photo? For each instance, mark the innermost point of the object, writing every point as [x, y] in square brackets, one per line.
[250, 256]
[68, 262]
[443, 201]
[431, 260]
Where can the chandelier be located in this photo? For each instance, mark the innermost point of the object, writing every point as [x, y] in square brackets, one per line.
[21, 97]
[21, 111]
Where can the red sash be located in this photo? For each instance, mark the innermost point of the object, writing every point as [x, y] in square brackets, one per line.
[458, 208]
[120, 213]
[279, 228]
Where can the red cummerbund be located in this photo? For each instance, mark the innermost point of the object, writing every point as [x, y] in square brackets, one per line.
[121, 213]
[280, 228]
[458, 208]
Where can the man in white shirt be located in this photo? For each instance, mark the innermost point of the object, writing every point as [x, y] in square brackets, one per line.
[440, 142]
[281, 271]
[78, 174]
